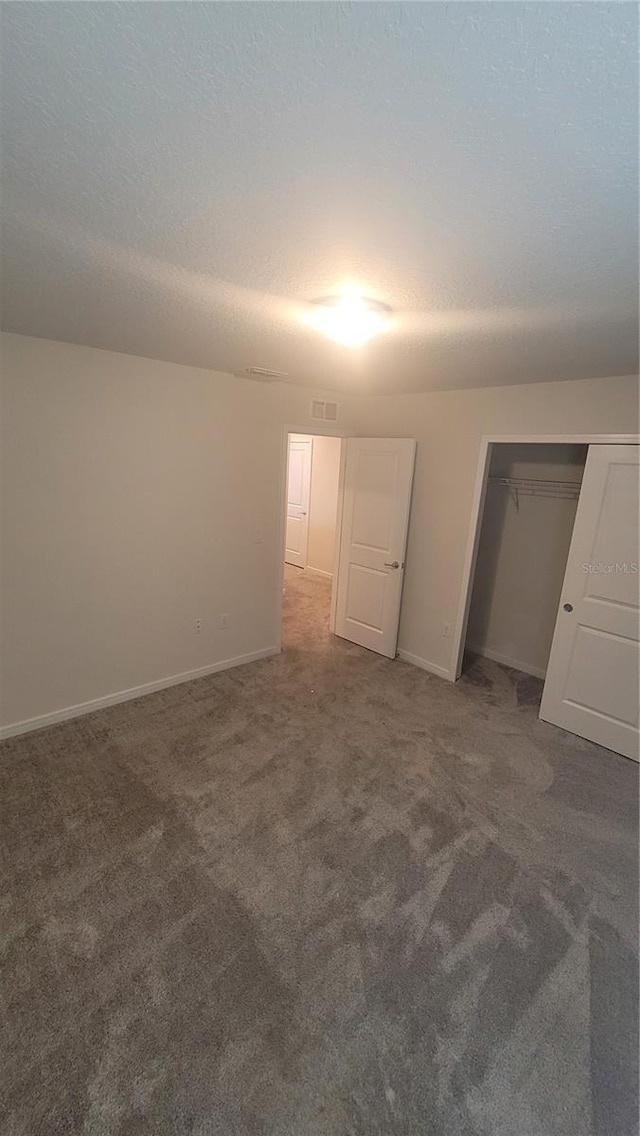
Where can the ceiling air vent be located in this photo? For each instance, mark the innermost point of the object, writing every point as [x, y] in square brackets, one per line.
[325, 411]
[266, 373]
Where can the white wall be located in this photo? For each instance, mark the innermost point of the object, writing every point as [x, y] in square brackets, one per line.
[448, 426]
[522, 556]
[138, 496]
[134, 492]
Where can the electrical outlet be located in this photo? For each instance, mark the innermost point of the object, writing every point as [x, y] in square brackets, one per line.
[198, 626]
[446, 630]
[224, 621]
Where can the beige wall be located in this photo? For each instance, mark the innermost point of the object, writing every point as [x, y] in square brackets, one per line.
[449, 427]
[138, 496]
[522, 556]
[323, 505]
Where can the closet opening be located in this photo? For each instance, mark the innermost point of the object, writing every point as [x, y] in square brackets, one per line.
[530, 507]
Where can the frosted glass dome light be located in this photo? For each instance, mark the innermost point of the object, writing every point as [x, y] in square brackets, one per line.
[348, 319]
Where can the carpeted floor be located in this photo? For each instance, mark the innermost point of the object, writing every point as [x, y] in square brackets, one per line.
[322, 895]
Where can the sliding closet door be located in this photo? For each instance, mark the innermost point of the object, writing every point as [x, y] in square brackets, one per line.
[592, 678]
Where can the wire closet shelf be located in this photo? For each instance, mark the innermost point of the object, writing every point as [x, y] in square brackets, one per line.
[538, 487]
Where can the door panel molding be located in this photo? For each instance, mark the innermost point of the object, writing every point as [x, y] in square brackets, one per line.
[592, 679]
[377, 495]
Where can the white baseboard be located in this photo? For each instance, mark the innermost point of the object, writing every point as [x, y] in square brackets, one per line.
[507, 661]
[425, 665]
[319, 572]
[134, 692]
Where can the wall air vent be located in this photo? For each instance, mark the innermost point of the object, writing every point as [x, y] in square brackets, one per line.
[325, 411]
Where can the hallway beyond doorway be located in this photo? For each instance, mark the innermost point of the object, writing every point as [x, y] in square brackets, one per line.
[305, 610]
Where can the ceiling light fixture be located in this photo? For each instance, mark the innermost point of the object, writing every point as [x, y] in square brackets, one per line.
[349, 319]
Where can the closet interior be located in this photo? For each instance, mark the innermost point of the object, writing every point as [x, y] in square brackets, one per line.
[530, 507]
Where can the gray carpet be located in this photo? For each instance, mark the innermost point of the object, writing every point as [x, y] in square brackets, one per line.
[324, 895]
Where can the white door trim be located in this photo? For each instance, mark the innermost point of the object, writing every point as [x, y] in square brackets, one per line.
[311, 430]
[477, 509]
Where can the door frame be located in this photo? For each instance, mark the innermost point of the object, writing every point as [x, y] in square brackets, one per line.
[487, 442]
[311, 430]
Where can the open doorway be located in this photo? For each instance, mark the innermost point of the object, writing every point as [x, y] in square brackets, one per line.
[361, 497]
[530, 508]
[313, 482]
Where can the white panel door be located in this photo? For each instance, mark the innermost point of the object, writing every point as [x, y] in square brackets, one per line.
[592, 679]
[377, 494]
[298, 490]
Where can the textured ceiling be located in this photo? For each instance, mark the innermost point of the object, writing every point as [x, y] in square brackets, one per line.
[180, 178]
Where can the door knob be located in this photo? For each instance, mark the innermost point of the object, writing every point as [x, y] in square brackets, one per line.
[393, 564]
